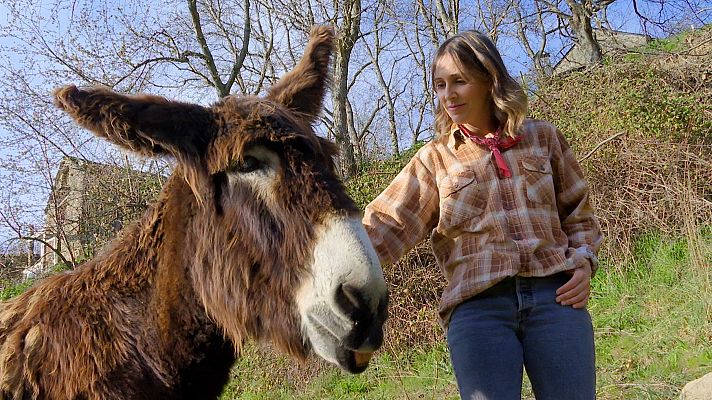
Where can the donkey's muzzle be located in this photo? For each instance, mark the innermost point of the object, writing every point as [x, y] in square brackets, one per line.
[344, 304]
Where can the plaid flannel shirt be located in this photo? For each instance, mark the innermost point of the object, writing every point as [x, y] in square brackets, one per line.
[484, 228]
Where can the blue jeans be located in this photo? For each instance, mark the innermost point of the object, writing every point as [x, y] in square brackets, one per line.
[517, 323]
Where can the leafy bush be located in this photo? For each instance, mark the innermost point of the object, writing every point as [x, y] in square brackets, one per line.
[10, 290]
[374, 176]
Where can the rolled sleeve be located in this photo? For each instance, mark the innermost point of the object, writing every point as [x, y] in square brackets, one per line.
[404, 213]
[574, 207]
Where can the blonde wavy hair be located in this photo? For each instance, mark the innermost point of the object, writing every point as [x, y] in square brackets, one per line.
[477, 58]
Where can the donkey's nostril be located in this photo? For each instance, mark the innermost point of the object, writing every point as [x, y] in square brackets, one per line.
[349, 300]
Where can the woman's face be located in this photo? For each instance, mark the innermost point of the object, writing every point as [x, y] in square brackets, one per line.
[465, 101]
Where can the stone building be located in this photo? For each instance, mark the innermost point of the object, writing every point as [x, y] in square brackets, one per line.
[88, 205]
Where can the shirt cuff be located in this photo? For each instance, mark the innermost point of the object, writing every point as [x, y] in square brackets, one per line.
[586, 253]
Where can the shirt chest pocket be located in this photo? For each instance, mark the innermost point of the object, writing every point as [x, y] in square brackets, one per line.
[538, 180]
[461, 199]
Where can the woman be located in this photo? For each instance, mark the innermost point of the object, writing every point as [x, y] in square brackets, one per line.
[507, 210]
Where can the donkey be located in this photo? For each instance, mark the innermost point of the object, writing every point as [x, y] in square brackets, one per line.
[253, 237]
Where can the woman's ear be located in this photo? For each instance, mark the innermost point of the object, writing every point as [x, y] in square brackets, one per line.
[144, 124]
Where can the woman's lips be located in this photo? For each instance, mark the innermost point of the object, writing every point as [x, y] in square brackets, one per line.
[454, 107]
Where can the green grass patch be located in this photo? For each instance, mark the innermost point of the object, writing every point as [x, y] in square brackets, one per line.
[10, 290]
[415, 374]
[671, 44]
[652, 320]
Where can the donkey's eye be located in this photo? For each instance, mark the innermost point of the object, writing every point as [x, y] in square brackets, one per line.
[247, 164]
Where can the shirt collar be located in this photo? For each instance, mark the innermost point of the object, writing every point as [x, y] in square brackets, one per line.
[455, 138]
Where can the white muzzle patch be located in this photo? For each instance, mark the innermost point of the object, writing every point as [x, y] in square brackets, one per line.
[343, 256]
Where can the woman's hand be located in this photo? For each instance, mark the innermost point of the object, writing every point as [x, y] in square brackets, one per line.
[575, 292]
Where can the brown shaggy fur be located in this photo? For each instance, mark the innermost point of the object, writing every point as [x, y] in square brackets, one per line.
[163, 311]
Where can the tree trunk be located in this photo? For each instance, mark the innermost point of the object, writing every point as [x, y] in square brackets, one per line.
[390, 101]
[346, 39]
[347, 160]
[581, 25]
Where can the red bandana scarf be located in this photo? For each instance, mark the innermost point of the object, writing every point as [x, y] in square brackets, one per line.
[496, 145]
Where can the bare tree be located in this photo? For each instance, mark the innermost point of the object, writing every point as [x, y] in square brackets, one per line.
[448, 16]
[421, 38]
[440, 20]
[531, 26]
[349, 32]
[215, 11]
[492, 16]
[565, 19]
[207, 48]
[202, 50]
[546, 27]
[580, 23]
[385, 78]
[672, 16]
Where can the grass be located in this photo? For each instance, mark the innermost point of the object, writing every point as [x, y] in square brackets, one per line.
[653, 321]
[416, 374]
[653, 324]
[9, 290]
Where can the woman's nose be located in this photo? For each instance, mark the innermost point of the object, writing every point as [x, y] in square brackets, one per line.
[449, 93]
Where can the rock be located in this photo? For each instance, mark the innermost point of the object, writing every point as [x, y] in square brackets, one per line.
[699, 389]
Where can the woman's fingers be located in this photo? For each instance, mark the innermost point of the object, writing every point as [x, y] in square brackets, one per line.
[568, 286]
[576, 291]
[578, 301]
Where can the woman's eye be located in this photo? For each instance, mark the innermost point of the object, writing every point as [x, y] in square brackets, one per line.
[247, 164]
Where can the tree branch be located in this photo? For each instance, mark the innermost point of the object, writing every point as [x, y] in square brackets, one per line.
[599, 145]
[208, 56]
[240, 58]
[54, 250]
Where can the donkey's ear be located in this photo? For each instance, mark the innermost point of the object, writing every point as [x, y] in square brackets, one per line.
[149, 125]
[303, 88]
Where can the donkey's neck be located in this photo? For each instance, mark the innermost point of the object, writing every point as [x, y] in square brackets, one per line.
[150, 255]
[150, 263]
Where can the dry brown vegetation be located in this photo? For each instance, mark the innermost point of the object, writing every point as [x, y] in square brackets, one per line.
[655, 175]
